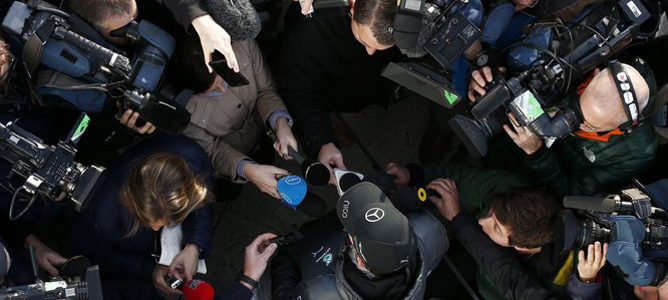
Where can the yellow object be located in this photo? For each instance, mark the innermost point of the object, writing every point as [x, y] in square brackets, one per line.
[422, 194]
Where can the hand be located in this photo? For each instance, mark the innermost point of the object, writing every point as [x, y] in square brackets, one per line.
[159, 280]
[306, 6]
[264, 177]
[588, 267]
[47, 259]
[213, 37]
[479, 79]
[331, 156]
[651, 292]
[257, 255]
[129, 119]
[184, 265]
[401, 175]
[284, 138]
[448, 203]
[522, 136]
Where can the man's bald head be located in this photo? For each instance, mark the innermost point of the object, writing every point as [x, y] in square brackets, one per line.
[602, 105]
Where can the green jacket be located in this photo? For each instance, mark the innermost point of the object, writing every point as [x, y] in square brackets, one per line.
[475, 186]
[580, 166]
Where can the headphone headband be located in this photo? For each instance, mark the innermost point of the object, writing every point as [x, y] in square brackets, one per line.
[627, 94]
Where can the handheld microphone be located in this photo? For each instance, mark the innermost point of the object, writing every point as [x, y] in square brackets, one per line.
[292, 189]
[198, 290]
[76, 266]
[239, 18]
[406, 198]
[346, 180]
[294, 193]
[315, 172]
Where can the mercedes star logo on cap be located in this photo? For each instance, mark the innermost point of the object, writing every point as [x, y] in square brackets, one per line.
[374, 215]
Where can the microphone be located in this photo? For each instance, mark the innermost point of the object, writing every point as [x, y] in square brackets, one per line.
[294, 193]
[597, 204]
[346, 180]
[76, 266]
[239, 18]
[315, 172]
[406, 198]
[198, 290]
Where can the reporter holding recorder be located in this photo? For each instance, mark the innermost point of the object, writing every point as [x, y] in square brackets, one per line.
[229, 121]
[161, 181]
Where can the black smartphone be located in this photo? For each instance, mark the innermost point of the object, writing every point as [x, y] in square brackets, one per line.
[219, 64]
[287, 239]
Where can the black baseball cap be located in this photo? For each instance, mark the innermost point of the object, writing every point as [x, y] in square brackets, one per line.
[381, 234]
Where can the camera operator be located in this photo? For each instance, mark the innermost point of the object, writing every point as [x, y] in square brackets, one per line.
[334, 61]
[599, 156]
[20, 234]
[229, 122]
[382, 254]
[161, 181]
[624, 253]
[510, 215]
[188, 13]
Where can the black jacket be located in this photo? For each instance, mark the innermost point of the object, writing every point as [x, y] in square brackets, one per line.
[501, 265]
[322, 64]
[314, 268]
[99, 231]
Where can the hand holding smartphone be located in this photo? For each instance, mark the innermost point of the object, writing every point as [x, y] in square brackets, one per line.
[219, 65]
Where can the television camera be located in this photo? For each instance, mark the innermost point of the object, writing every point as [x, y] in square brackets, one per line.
[48, 171]
[49, 38]
[441, 29]
[626, 218]
[574, 49]
[59, 288]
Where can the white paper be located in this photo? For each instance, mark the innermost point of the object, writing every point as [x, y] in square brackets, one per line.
[170, 241]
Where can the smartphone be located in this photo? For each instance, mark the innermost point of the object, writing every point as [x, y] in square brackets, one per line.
[219, 64]
[174, 282]
[287, 239]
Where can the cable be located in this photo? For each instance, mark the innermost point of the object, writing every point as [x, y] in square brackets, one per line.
[11, 206]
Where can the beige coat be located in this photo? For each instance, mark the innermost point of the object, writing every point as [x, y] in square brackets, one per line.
[229, 126]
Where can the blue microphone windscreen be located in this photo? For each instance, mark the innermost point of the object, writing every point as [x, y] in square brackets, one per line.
[292, 189]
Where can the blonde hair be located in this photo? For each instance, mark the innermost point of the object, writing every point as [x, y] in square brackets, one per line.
[162, 186]
[4, 52]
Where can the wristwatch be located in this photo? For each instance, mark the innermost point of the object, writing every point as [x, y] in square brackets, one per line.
[250, 281]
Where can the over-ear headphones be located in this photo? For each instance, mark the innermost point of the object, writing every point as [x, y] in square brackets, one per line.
[628, 97]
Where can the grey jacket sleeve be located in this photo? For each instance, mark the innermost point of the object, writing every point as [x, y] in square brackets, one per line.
[185, 11]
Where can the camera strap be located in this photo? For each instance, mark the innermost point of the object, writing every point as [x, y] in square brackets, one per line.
[628, 96]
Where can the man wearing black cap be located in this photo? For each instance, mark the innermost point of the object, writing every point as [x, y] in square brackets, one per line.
[382, 254]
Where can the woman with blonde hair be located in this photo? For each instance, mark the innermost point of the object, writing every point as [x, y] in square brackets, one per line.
[160, 182]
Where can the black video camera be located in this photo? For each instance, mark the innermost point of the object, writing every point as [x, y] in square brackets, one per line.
[58, 288]
[589, 219]
[440, 29]
[49, 171]
[598, 34]
[49, 40]
[636, 231]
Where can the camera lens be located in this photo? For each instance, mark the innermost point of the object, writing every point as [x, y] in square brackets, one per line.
[590, 232]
